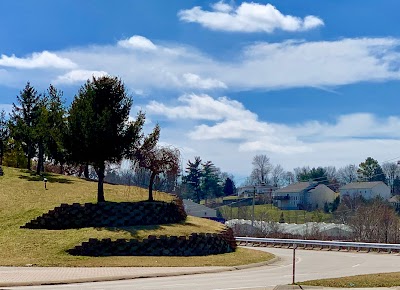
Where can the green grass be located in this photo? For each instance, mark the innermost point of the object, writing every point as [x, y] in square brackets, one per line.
[359, 281]
[268, 212]
[23, 197]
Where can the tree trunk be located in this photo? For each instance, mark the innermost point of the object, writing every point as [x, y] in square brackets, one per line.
[61, 168]
[1, 152]
[28, 164]
[40, 166]
[86, 171]
[153, 175]
[100, 184]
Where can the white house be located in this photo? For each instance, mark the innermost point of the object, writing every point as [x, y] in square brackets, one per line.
[198, 210]
[367, 190]
[303, 195]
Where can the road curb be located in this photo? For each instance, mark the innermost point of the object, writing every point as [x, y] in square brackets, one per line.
[137, 276]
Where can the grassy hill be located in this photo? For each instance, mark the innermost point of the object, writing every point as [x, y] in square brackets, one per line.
[23, 197]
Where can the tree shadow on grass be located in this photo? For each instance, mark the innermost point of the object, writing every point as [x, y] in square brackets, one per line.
[133, 230]
[52, 178]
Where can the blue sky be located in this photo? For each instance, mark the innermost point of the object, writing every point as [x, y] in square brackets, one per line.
[305, 82]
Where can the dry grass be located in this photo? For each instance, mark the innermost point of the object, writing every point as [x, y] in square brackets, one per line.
[359, 281]
[23, 197]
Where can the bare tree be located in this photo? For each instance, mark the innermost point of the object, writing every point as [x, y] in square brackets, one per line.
[289, 177]
[158, 160]
[331, 172]
[375, 222]
[347, 174]
[391, 171]
[277, 175]
[261, 168]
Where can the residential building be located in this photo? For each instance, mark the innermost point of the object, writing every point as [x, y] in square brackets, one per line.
[264, 190]
[198, 210]
[303, 195]
[367, 190]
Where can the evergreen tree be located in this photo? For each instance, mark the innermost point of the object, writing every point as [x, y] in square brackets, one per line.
[370, 170]
[229, 187]
[210, 182]
[4, 134]
[24, 119]
[98, 127]
[193, 178]
[57, 126]
[314, 174]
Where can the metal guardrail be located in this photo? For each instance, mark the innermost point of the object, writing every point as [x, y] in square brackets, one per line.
[316, 243]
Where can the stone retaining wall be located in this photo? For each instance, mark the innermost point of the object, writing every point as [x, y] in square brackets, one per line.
[109, 214]
[194, 245]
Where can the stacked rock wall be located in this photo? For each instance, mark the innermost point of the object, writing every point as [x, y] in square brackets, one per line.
[194, 245]
[109, 214]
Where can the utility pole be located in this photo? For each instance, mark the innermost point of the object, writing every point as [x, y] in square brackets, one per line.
[294, 262]
[252, 217]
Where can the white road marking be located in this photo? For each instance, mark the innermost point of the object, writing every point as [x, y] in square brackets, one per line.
[355, 265]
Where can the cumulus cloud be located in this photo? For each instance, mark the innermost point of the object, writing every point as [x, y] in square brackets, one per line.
[196, 82]
[137, 42]
[263, 65]
[248, 17]
[78, 76]
[231, 121]
[201, 107]
[257, 66]
[43, 59]
[220, 128]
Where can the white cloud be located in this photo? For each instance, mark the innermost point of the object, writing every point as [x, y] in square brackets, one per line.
[78, 76]
[196, 82]
[261, 65]
[201, 107]
[137, 42]
[223, 130]
[248, 17]
[257, 66]
[231, 122]
[43, 59]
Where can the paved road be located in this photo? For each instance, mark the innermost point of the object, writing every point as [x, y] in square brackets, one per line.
[309, 265]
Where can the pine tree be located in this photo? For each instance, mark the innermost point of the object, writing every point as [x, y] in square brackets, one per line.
[98, 127]
[4, 134]
[193, 178]
[24, 120]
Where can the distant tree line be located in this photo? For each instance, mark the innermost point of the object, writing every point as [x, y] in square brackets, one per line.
[203, 180]
[264, 172]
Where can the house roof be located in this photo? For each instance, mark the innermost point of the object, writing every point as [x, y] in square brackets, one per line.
[361, 185]
[260, 186]
[323, 188]
[295, 187]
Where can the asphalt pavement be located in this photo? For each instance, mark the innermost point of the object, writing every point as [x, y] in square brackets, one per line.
[309, 265]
